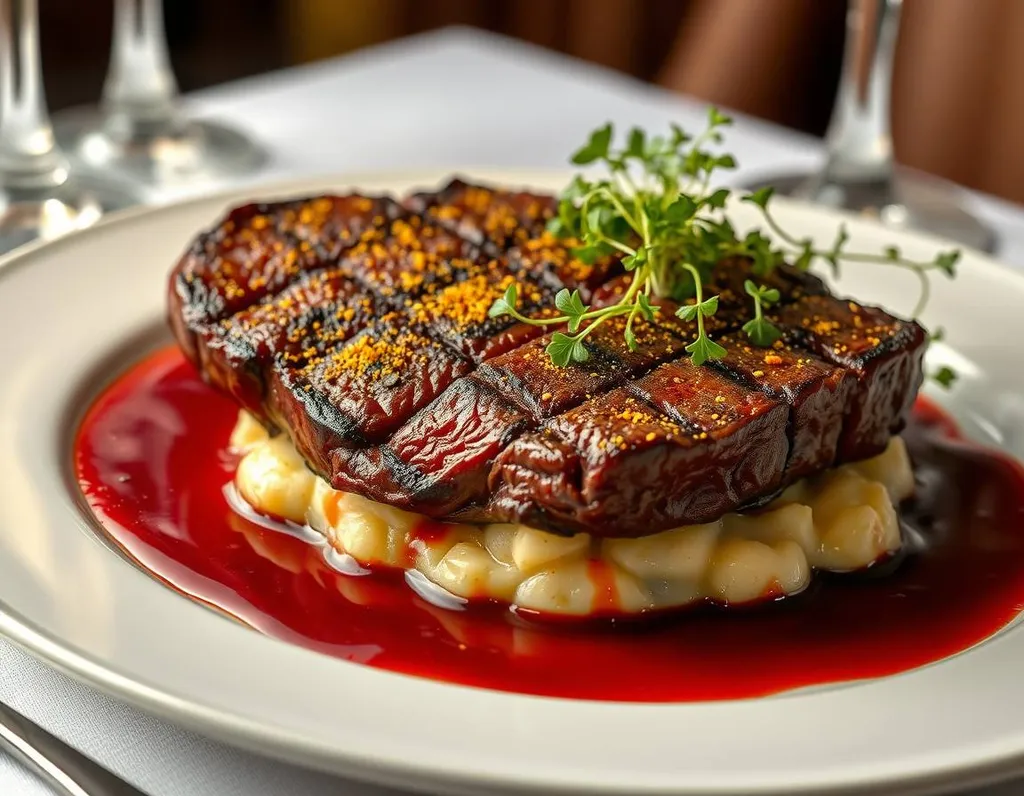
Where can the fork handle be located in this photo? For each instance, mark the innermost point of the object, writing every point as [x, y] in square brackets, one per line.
[67, 769]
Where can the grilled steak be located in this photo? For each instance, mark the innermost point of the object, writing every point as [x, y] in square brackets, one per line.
[359, 326]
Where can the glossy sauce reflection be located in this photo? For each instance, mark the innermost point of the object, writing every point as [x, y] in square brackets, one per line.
[151, 460]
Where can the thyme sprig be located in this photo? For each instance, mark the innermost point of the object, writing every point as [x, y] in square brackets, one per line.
[657, 208]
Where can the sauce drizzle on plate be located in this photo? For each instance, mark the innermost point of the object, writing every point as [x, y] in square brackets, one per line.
[152, 461]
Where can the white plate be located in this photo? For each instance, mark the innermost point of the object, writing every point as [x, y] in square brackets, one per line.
[73, 312]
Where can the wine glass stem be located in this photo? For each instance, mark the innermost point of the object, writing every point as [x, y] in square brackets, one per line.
[859, 139]
[140, 93]
[30, 159]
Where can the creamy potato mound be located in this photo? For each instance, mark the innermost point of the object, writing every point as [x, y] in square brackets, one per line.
[841, 520]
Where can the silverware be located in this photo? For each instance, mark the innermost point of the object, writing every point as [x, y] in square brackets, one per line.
[68, 770]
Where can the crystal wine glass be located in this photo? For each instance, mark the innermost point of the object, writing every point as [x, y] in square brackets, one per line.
[39, 195]
[140, 132]
[859, 172]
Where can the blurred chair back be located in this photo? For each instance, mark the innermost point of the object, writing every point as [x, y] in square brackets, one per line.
[634, 36]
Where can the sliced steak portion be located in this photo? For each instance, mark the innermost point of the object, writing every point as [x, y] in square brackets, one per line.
[408, 256]
[365, 387]
[655, 343]
[885, 353]
[444, 453]
[818, 395]
[681, 442]
[258, 249]
[236, 352]
[361, 328]
[391, 262]
[493, 218]
[552, 260]
[440, 460]
[458, 314]
[542, 388]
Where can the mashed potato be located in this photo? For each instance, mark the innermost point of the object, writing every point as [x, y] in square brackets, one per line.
[841, 520]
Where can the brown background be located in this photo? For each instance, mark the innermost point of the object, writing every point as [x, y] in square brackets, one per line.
[959, 88]
[213, 41]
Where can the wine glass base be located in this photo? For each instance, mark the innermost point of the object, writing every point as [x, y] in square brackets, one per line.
[27, 215]
[200, 152]
[908, 202]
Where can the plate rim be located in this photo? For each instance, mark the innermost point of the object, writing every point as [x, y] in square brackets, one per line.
[80, 665]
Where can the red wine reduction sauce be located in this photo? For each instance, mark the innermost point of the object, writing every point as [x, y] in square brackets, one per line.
[151, 459]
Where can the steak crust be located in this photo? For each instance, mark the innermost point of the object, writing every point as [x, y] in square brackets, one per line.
[358, 325]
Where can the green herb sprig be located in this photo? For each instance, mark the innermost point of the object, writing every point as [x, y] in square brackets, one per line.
[656, 207]
[759, 329]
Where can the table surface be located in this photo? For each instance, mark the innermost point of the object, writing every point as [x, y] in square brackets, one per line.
[439, 100]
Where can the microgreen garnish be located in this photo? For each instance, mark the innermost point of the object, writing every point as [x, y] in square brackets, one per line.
[945, 376]
[703, 348]
[759, 329]
[657, 209]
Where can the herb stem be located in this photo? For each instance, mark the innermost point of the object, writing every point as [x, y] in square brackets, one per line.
[640, 277]
[877, 259]
[603, 311]
[774, 227]
[598, 234]
[610, 312]
[627, 187]
[552, 321]
[926, 289]
[629, 324]
[619, 206]
[699, 293]
[621, 247]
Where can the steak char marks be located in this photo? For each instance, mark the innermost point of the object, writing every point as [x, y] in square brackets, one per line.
[359, 326]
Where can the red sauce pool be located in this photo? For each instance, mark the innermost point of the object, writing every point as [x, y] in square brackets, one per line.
[151, 460]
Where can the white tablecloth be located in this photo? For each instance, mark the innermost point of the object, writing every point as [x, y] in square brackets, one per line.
[454, 99]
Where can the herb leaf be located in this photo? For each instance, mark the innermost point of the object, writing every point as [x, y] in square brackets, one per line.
[704, 348]
[646, 309]
[564, 349]
[505, 305]
[766, 296]
[570, 303]
[762, 332]
[596, 148]
[759, 329]
[637, 142]
[945, 377]
[946, 261]
[717, 119]
[707, 308]
[718, 198]
[760, 197]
